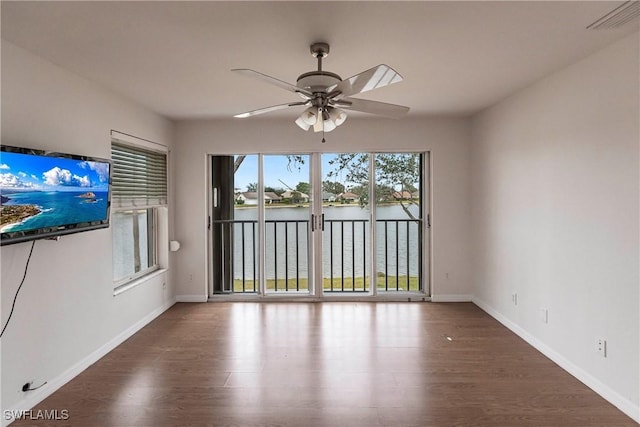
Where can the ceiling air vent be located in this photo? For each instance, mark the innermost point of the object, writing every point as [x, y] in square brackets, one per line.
[618, 17]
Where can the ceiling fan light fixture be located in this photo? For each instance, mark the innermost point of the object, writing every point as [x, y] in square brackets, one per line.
[317, 127]
[309, 116]
[338, 116]
[322, 119]
[328, 125]
[302, 123]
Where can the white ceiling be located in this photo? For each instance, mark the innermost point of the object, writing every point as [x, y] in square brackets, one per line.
[175, 57]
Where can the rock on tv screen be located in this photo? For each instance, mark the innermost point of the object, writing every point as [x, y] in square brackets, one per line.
[46, 194]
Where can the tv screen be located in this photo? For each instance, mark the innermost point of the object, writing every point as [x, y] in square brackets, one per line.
[45, 194]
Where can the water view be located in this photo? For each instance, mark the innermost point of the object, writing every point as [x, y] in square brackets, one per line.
[349, 243]
[345, 257]
[52, 209]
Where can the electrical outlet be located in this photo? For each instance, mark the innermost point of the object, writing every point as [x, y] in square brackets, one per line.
[544, 315]
[514, 298]
[601, 346]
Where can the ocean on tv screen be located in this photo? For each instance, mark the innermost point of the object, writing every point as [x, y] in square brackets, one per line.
[38, 191]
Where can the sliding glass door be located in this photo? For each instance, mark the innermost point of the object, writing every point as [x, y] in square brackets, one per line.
[319, 224]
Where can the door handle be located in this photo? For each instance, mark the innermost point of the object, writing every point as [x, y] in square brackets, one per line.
[317, 222]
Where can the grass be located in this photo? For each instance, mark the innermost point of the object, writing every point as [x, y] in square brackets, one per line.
[361, 284]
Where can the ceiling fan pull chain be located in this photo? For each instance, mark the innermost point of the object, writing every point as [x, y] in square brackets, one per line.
[323, 141]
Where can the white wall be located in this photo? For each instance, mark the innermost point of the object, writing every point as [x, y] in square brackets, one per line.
[66, 312]
[447, 139]
[555, 193]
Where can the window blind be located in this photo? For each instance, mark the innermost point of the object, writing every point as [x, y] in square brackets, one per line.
[139, 176]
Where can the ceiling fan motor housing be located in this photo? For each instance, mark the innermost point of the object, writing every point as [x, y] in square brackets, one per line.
[317, 81]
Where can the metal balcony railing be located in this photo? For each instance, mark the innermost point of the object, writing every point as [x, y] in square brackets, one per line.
[345, 255]
[402, 255]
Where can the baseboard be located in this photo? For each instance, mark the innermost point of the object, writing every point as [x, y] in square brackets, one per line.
[192, 298]
[451, 298]
[345, 297]
[42, 393]
[626, 406]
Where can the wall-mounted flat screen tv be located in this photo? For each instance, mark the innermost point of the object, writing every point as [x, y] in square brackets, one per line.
[45, 194]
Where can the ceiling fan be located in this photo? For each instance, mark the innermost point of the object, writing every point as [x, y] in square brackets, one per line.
[327, 96]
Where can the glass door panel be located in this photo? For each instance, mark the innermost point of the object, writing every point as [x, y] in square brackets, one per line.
[287, 227]
[346, 237]
[245, 225]
[399, 221]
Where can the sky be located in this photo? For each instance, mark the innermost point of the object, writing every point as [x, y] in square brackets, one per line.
[25, 171]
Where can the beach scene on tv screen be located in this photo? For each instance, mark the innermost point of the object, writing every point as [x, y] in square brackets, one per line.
[40, 191]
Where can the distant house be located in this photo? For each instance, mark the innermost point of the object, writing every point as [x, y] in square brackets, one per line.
[300, 197]
[251, 198]
[328, 197]
[248, 197]
[271, 197]
[348, 197]
[402, 195]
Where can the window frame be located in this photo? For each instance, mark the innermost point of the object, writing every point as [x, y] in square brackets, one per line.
[157, 209]
[153, 235]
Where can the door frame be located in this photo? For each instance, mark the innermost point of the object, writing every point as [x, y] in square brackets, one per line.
[316, 291]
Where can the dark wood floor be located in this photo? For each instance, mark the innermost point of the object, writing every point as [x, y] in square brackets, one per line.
[328, 364]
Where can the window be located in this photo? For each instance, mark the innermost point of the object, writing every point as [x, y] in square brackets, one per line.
[133, 243]
[139, 193]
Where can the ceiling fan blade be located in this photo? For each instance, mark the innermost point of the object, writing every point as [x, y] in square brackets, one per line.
[268, 109]
[272, 81]
[373, 107]
[379, 76]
